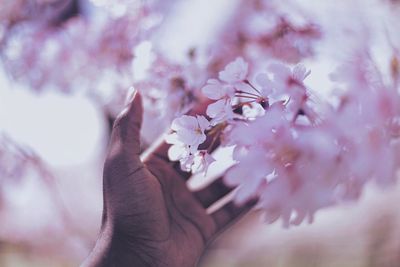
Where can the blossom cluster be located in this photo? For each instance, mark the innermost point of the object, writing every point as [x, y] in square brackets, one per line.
[170, 89]
[262, 30]
[293, 157]
[257, 30]
[15, 12]
[91, 55]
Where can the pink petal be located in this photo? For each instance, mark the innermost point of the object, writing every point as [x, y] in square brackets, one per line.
[216, 108]
[281, 72]
[177, 152]
[235, 71]
[213, 90]
[203, 123]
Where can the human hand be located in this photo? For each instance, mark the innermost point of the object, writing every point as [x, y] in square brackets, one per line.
[150, 217]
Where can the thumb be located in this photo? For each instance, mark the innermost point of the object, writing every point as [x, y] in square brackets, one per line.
[125, 136]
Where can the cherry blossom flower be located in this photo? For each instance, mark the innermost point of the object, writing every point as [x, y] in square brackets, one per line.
[235, 71]
[188, 133]
[252, 164]
[178, 150]
[284, 78]
[253, 110]
[170, 89]
[233, 88]
[194, 163]
[189, 130]
[215, 90]
[202, 162]
[220, 111]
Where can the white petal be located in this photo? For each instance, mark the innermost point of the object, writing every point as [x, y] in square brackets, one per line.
[229, 91]
[214, 109]
[184, 122]
[208, 160]
[280, 71]
[177, 152]
[263, 80]
[235, 175]
[300, 72]
[172, 138]
[235, 71]
[186, 163]
[253, 110]
[188, 137]
[203, 123]
[193, 149]
[213, 90]
[200, 138]
[266, 84]
[198, 164]
[201, 162]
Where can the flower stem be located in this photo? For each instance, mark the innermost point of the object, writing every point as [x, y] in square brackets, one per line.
[247, 96]
[248, 93]
[252, 86]
[215, 138]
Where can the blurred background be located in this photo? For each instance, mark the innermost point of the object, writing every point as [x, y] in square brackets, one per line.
[65, 69]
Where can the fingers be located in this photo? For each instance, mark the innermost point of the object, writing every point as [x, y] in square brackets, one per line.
[229, 213]
[212, 193]
[125, 135]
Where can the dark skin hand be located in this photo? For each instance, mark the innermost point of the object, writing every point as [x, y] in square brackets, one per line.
[150, 218]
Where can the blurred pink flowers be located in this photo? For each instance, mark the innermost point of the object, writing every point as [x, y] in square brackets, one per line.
[295, 153]
[291, 162]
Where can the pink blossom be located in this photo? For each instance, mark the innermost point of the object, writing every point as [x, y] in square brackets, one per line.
[296, 168]
[178, 150]
[215, 90]
[190, 130]
[190, 159]
[198, 162]
[253, 166]
[284, 77]
[235, 71]
[220, 111]
[202, 162]
[253, 110]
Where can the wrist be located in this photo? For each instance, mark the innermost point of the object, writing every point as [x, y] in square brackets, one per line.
[103, 253]
[112, 250]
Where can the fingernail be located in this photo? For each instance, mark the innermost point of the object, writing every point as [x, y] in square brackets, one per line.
[130, 95]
